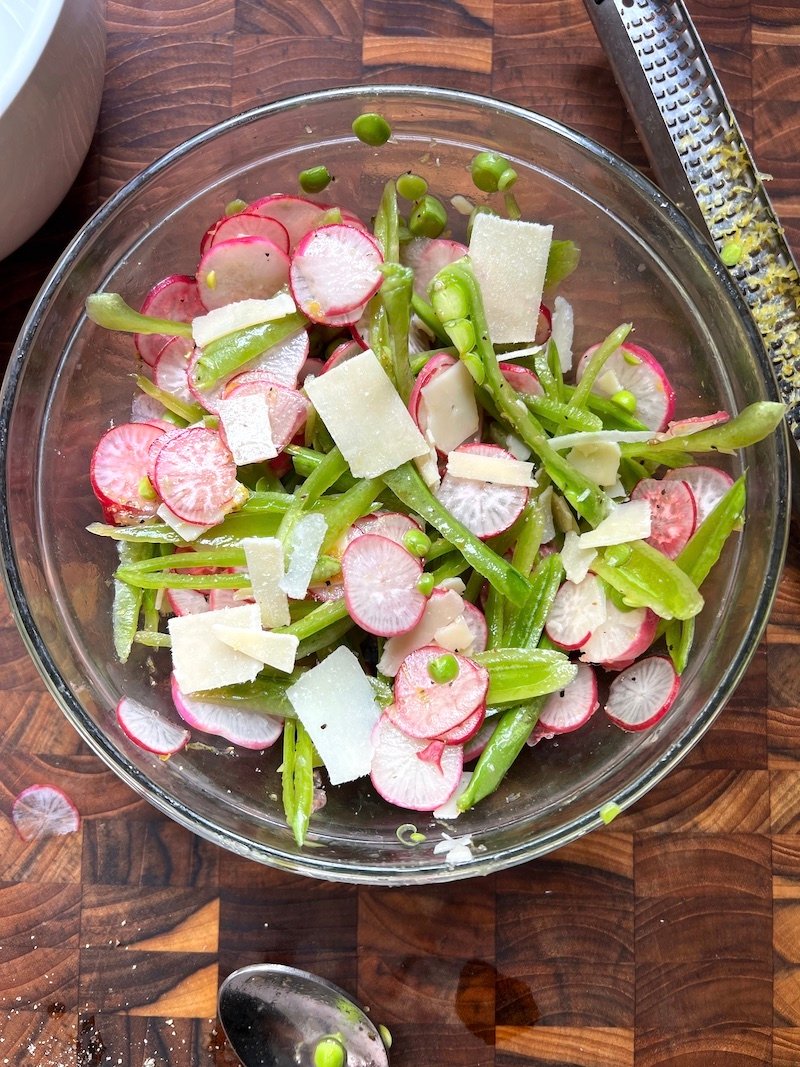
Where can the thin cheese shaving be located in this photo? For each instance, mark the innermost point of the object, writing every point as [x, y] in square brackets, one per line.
[265, 567]
[245, 422]
[238, 316]
[627, 522]
[200, 660]
[496, 469]
[187, 531]
[274, 650]
[306, 541]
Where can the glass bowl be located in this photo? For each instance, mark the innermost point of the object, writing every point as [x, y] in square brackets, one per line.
[641, 262]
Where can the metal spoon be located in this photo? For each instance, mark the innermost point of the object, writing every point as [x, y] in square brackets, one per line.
[276, 1016]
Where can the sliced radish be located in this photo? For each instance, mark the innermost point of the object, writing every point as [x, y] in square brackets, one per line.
[402, 778]
[288, 408]
[120, 463]
[310, 369]
[344, 351]
[544, 325]
[578, 609]
[439, 362]
[623, 636]
[176, 297]
[44, 811]
[247, 268]
[432, 753]
[465, 730]
[442, 608]
[708, 485]
[186, 601]
[485, 508]
[146, 408]
[391, 524]
[148, 728]
[425, 708]
[195, 476]
[673, 513]
[296, 214]
[640, 373]
[643, 693]
[426, 256]
[476, 621]
[380, 585]
[171, 368]
[334, 271]
[571, 707]
[694, 424]
[360, 329]
[279, 364]
[243, 727]
[477, 743]
[246, 224]
[521, 379]
[227, 598]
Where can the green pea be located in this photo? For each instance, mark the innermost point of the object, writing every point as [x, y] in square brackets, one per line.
[372, 129]
[491, 172]
[329, 1052]
[425, 583]
[428, 217]
[315, 179]
[235, 207]
[625, 399]
[386, 1035]
[417, 542]
[444, 668]
[730, 253]
[411, 186]
[147, 491]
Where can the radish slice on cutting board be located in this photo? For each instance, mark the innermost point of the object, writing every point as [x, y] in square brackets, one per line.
[44, 811]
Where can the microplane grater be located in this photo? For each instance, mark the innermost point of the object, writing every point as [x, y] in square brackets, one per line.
[701, 160]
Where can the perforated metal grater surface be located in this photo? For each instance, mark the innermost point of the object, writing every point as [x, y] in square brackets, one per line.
[701, 160]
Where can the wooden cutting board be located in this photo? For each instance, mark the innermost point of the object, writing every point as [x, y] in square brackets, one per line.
[673, 938]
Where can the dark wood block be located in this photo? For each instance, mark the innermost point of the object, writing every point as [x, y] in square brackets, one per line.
[165, 919]
[692, 996]
[707, 801]
[728, 1048]
[448, 18]
[270, 68]
[147, 852]
[563, 1046]
[300, 18]
[785, 1046]
[205, 16]
[180, 985]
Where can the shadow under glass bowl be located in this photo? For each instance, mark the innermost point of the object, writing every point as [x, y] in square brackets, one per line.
[641, 262]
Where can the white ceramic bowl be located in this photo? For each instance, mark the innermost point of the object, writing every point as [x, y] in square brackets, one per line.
[52, 61]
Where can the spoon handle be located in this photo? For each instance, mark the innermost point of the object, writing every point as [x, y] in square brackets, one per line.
[700, 158]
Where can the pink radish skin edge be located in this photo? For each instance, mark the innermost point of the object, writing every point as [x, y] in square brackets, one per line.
[359, 563]
[403, 779]
[666, 701]
[70, 820]
[180, 736]
[187, 709]
[573, 707]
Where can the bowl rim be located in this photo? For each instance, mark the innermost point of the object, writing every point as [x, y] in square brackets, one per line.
[366, 873]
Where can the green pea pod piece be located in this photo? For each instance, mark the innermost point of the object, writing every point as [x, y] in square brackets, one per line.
[752, 424]
[560, 415]
[529, 540]
[303, 783]
[395, 293]
[562, 260]
[505, 744]
[596, 362]
[387, 224]
[227, 354]
[646, 578]
[529, 623]
[287, 772]
[318, 619]
[127, 599]
[185, 412]
[424, 311]
[110, 311]
[342, 513]
[517, 674]
[704, 547]
[494, 614]
[679, 636]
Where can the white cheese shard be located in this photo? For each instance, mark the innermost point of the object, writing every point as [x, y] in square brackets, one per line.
[245, 422]
[429, 469]
[187, 531]
[450, 809]
[517, 448]
[607, 383]
[456, 636]
[562, 330]
[599, 461]
[238, 316]
[265, 568]
[305, 543]
[200, 660]
[440, 610]
[274, 650]
[594, 437]
[627, 522]
[497, 469]
[457, 849]
[365, 416]
[577, 559]
[509, 258]
[449, 407]
[335, 703]
[545, 503]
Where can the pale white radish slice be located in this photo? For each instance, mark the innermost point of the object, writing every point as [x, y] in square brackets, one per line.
[247, 268]
[246, 224]
[442, 608]
[485, 508]
[478, 742]
[391, 524]
[643, 693]
[176, 297]
[578, 609]
[119, 465]
[425, 708]
[465, 730]
[673, 513]
[44, 811]
[344, 351]
[402, 778]
[187, 601]
[380, 585]
[295, 213]
[148, 728]
[226, 598]
[571, 707]
[621, 637]
[639, 372]
[334, 271]
[279, 364]
[195, 476]
[426, 256]
[288, 408]
[171, 369]
[521, 379]
[694, 424]
[146, 408]
[240, 726]
[476, 621]
[708, 485]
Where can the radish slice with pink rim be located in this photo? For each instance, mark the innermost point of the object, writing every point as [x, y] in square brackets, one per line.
[246, 268]
[425, 708]
[638, 371]
[391, 524]
[148, 728]
[521, 379]
[707, 484]
[288, 408]
[643, 693]
[195, 476]
[673, 513]
[576, 612]
[279, 364]
[119, 463]
[571, 707]
[246, 224]
[465, 730]
[380, 585]
[176, 297]
[186, 601]
[334, 271]
[44, 811]
[621, 638]
[485, 508]
[171, 369]
[344, 351]
[476, 621]
[476, 744]
[402, 778]
[295, 213]
[426, 256]
[248, 729]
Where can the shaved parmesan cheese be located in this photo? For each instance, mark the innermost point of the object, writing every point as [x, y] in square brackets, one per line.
[428, 468]
[608, 383]
[449, 407]
[496, 469]
[306, 541]
[599, 461]
[456, 636]
[627, 522]
[509, 258]
[265, 567]
[439, 612]
[187, 531]
[457, 849]
[365, 416]
[335, 703]
[200, 660]
[245, 422]
[275, 650]
[594, 437]
[238, 316]
[561, 332]
[546, 505]
[577, 559]
[450, 809]
[517, 448]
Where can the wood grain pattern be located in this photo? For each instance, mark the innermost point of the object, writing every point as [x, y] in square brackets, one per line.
[672, 939]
